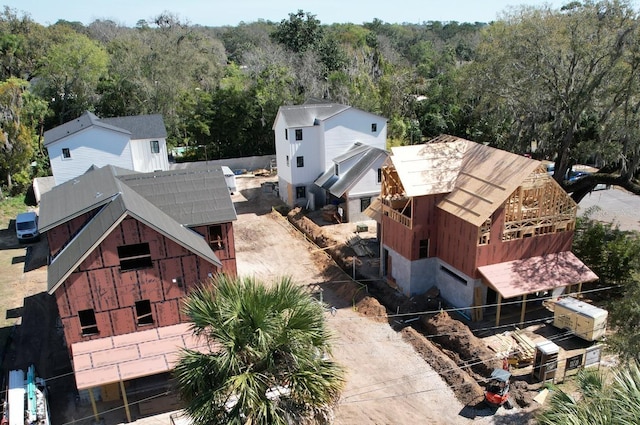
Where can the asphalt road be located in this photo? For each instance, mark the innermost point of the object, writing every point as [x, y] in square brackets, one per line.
[613, 206]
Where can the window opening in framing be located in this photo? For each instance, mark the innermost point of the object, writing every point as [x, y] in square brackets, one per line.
[216, 237]
[298, 134]
[484, 232]
[155, 146]
[374, 127]
[364, 203]
[135, 256]
[301, 192]
[88, 323]
[423, 251]
[66, 153]
[300, 161]
[143, 312]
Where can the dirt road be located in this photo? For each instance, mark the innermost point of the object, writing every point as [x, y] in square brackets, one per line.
[388, 383]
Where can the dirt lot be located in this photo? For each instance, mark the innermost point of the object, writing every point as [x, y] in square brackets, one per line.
[388, 380]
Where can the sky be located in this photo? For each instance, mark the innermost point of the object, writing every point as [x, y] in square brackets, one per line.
[232, 12]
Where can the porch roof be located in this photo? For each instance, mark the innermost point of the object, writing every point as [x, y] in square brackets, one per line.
[536, 274]
[134, 355]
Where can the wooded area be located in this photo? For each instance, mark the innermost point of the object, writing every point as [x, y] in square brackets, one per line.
[555, 84]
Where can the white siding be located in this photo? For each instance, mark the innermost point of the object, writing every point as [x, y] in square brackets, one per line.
[283, 149]
[145, 161]
[348, 127]
[93, 146]
[309, 148]
[368, 184]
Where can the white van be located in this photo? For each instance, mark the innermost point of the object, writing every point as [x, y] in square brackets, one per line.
[27, 227]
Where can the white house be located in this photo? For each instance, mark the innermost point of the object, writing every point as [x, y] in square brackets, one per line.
[308, 139]
[135, 143]
[354, 180]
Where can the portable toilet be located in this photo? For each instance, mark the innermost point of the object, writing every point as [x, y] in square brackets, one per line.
[230, 178]
[584, 320]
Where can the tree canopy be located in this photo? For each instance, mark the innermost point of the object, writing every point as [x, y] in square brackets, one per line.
[269, 360]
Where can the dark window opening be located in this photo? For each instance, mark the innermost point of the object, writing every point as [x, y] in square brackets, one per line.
[88, 324]
[301, 192]
[143, 312]
[379, 175]
[136, 256]
[66, 153]
[300, 161]
[336, 169]
[374, 127]
[299, 134]
[216, 237]
[287, 160]
[424, 249]
[286, 134]
[155, 146]
[364, 203]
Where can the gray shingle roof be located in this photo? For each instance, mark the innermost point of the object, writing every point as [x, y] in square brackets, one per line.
[306, 115]
[139, 127]
[102, 190]
[339, 185]
[194, 196]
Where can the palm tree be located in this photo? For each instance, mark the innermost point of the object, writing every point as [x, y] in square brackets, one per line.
[603, 399]
[268, 361]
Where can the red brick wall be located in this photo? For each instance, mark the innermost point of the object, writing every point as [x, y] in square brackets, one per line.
[99, 284]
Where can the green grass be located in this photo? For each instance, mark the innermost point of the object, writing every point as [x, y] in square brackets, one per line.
[10, 207]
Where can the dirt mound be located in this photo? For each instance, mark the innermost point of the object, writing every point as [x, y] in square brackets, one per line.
[464, 386]
[460, 344]
[370, 307]
[522, 393]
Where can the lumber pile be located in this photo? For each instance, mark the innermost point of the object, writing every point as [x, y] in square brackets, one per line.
[526, 347]
[515, 346]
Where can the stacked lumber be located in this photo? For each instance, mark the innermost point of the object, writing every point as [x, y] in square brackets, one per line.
[526, 347]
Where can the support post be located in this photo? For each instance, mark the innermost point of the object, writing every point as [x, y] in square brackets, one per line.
[498, 309]
[93, 405]
[524, 309]
[126, 402]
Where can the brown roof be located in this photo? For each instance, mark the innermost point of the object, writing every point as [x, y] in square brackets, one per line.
[536, 274]
[478, 178]
[134, 355]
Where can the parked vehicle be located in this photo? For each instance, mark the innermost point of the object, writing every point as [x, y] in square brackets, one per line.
[27, 227]
[497, 392]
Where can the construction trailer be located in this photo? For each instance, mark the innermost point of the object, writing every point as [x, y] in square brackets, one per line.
[584, 320]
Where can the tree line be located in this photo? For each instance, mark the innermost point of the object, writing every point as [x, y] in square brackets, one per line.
[557, 84]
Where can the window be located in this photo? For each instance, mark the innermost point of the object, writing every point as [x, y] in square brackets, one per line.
[88, 324]
[336, 169]
[424, 249]
[286, 134]
[379, 175]
[136, 256]
[66, 153]
[155, 146]
[300, 161]
[287, 160]
[299, 134]
[364, 203]
[301, 192]
[374, 127]
[143, 312]
[216, 237]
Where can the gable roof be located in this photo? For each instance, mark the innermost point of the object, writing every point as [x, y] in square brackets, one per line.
[101, 190]
[307, 115]
[193, 196]
[477, 178]
[366, 156]
[138, 127]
